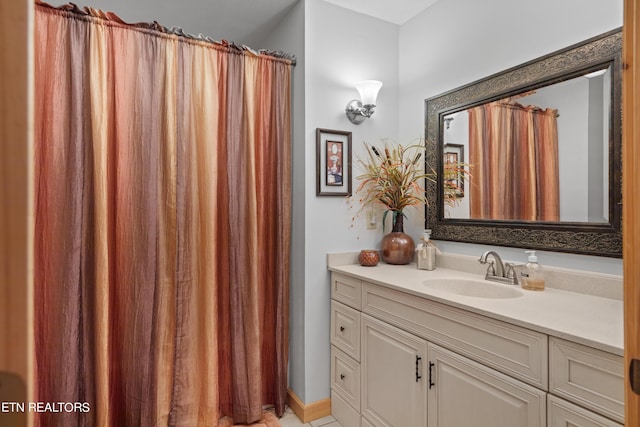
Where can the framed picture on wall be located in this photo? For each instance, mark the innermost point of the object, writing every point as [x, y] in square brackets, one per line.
[333, 162]
[453, 169]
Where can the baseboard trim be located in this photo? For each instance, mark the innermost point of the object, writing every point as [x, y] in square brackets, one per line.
[310, 412]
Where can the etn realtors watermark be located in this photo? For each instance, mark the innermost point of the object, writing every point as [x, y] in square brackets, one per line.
[6, 407]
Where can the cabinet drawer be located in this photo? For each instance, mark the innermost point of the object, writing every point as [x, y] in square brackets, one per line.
[345, 329]
[589, 377]
[343, 412]
[345, 377]
[347, 290]
[561, 413]
[515, 351]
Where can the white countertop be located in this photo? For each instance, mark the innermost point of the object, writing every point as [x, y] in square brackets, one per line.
[585, 319]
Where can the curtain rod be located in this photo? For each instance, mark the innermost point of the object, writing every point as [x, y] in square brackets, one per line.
[534, 108]
[154, 27]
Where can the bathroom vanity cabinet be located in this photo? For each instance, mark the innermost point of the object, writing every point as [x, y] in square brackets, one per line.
[398, 359]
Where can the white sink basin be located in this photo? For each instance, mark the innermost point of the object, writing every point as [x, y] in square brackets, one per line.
[474, 288]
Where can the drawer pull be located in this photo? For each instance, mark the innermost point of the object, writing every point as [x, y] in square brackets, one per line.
[341, 376]
[431, 383]
[341, 328]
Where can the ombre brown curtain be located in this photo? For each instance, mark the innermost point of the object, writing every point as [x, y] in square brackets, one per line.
[514, 150]
[162, 224]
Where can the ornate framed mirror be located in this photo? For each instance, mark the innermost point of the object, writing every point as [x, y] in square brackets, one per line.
[543, 146]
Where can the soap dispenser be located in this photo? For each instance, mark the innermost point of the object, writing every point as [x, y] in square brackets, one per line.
[533, 274]
[426, 252]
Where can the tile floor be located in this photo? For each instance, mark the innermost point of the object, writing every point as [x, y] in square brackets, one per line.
[289, 419]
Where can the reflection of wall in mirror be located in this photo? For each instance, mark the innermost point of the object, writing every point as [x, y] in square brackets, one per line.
[606, 109]
[457, 132]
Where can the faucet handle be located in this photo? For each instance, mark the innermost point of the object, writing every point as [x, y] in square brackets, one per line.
[491, 269]
[511, 272]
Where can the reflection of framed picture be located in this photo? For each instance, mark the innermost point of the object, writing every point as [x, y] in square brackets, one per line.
[333, 162]
[453, 169]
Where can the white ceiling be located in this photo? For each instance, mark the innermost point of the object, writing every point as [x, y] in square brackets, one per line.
[396, 11]
[241, 21]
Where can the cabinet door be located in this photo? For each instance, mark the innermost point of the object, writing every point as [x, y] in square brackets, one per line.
[394, 391]
[465, 393]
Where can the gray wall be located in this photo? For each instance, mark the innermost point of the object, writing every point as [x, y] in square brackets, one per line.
[338, 48]
[341, 48]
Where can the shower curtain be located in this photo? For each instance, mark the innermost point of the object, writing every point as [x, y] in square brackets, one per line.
[162, 224]
[514, 150]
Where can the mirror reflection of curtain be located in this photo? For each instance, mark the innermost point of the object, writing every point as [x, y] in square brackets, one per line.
[514, 150]
[162, 224]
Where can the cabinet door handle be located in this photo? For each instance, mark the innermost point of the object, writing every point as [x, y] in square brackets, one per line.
[341, 328]
[431, 383]
[341, 376]
[634, 375]
[418, 376]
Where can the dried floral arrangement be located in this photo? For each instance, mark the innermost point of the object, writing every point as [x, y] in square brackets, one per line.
[394, 176]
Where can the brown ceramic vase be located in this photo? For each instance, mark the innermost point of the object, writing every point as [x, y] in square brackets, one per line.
[397, 247]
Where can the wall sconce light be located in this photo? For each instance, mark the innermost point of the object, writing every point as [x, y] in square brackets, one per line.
[447, 121]
[359, 109]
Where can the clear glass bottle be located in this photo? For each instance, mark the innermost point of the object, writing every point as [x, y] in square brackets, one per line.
[533, 274]
[426, 252]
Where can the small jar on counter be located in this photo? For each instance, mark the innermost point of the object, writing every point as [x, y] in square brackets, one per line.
[369, 257]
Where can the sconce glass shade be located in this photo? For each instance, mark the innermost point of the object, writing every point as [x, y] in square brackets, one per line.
[368, 90]
[359, 109]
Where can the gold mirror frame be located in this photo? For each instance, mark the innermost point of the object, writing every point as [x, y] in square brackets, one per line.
[583, 238]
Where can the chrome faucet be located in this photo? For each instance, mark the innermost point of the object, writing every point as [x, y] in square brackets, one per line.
[498, 271]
